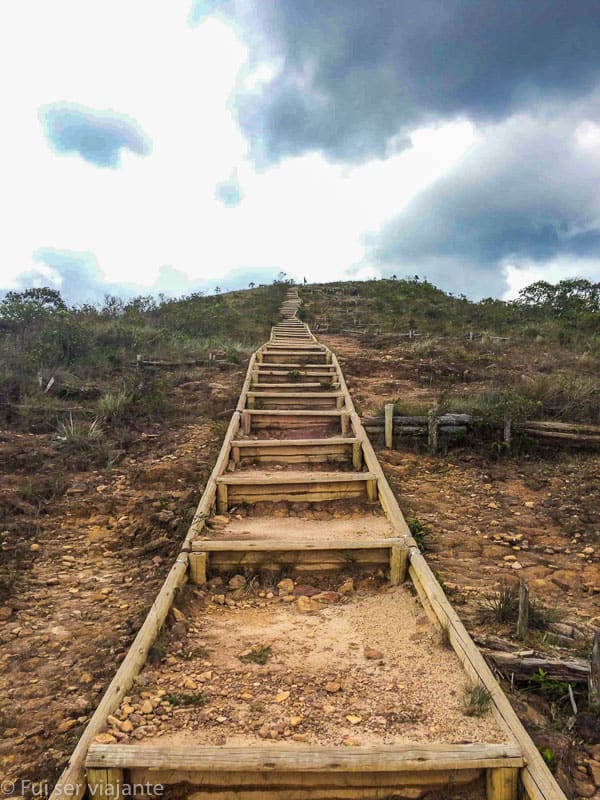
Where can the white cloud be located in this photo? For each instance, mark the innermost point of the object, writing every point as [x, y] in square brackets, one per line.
[524, 273]
[141, 58]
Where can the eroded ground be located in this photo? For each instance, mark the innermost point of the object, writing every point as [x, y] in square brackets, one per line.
[84, 552]
[338, 661]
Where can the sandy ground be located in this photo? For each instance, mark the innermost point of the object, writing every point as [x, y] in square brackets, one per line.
[342, 667]
[303, 529]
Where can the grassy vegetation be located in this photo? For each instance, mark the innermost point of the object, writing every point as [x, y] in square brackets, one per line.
[503, 607]
[477, 700]
[554, 329]
[52, 355]
[567, 312]
[180, 699]
[259, 654]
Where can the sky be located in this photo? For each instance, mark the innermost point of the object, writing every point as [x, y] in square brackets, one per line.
[151, 146]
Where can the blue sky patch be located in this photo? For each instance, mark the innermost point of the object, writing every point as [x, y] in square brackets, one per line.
[99, 137]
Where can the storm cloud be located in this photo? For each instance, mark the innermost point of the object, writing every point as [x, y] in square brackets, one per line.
[99, 137]
[352, 79]
[528, 192]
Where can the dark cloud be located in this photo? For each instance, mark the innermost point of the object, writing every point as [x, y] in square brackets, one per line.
[78, 277]
[353, 78]
[97, 136]
[229, 192]
[527, 193]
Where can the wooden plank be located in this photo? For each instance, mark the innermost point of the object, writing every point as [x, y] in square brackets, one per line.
[302, 457]
[258, 478]
[400, 758]
[257, 782]
[302, 560]
[314, 493]
[303, 396]
[277, 443]
[295, 365]
[301, 413]
[218, 545]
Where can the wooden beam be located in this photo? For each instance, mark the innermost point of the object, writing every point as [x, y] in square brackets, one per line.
[241, 545]
[389, 425]
[276, 443]
[398, 563]
[258, 478]
[105, 783]
[502, 783]
[222, 500]
[399, 758]
[286, 785]
[357, 453]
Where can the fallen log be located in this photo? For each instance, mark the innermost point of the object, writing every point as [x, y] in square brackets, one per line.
[524, 668]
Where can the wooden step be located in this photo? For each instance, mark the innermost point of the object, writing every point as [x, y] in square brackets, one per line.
[293, 365]
[291, 451]
[211, 556]
[301, 487]
[291, 355]
[283, 400]
[304, 347]
[296, 386]
[256, 419]
[313, 758]
[260, 372]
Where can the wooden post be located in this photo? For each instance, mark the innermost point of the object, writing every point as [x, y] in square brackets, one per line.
[236, 455]
[398, 563]
[222, 498]
[246, 423]
[372, 489]
[502, 783]
[507, 431]
[251, 402]
[198, 567]
[345, 423]
[105, 784]
[389, 425]
[523, 620]
[432, 429]
[594, 680]
[357, 455]
[340, 402]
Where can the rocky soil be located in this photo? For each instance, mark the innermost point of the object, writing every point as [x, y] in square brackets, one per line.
[491, 521]
[83, 553]
[337, 661]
